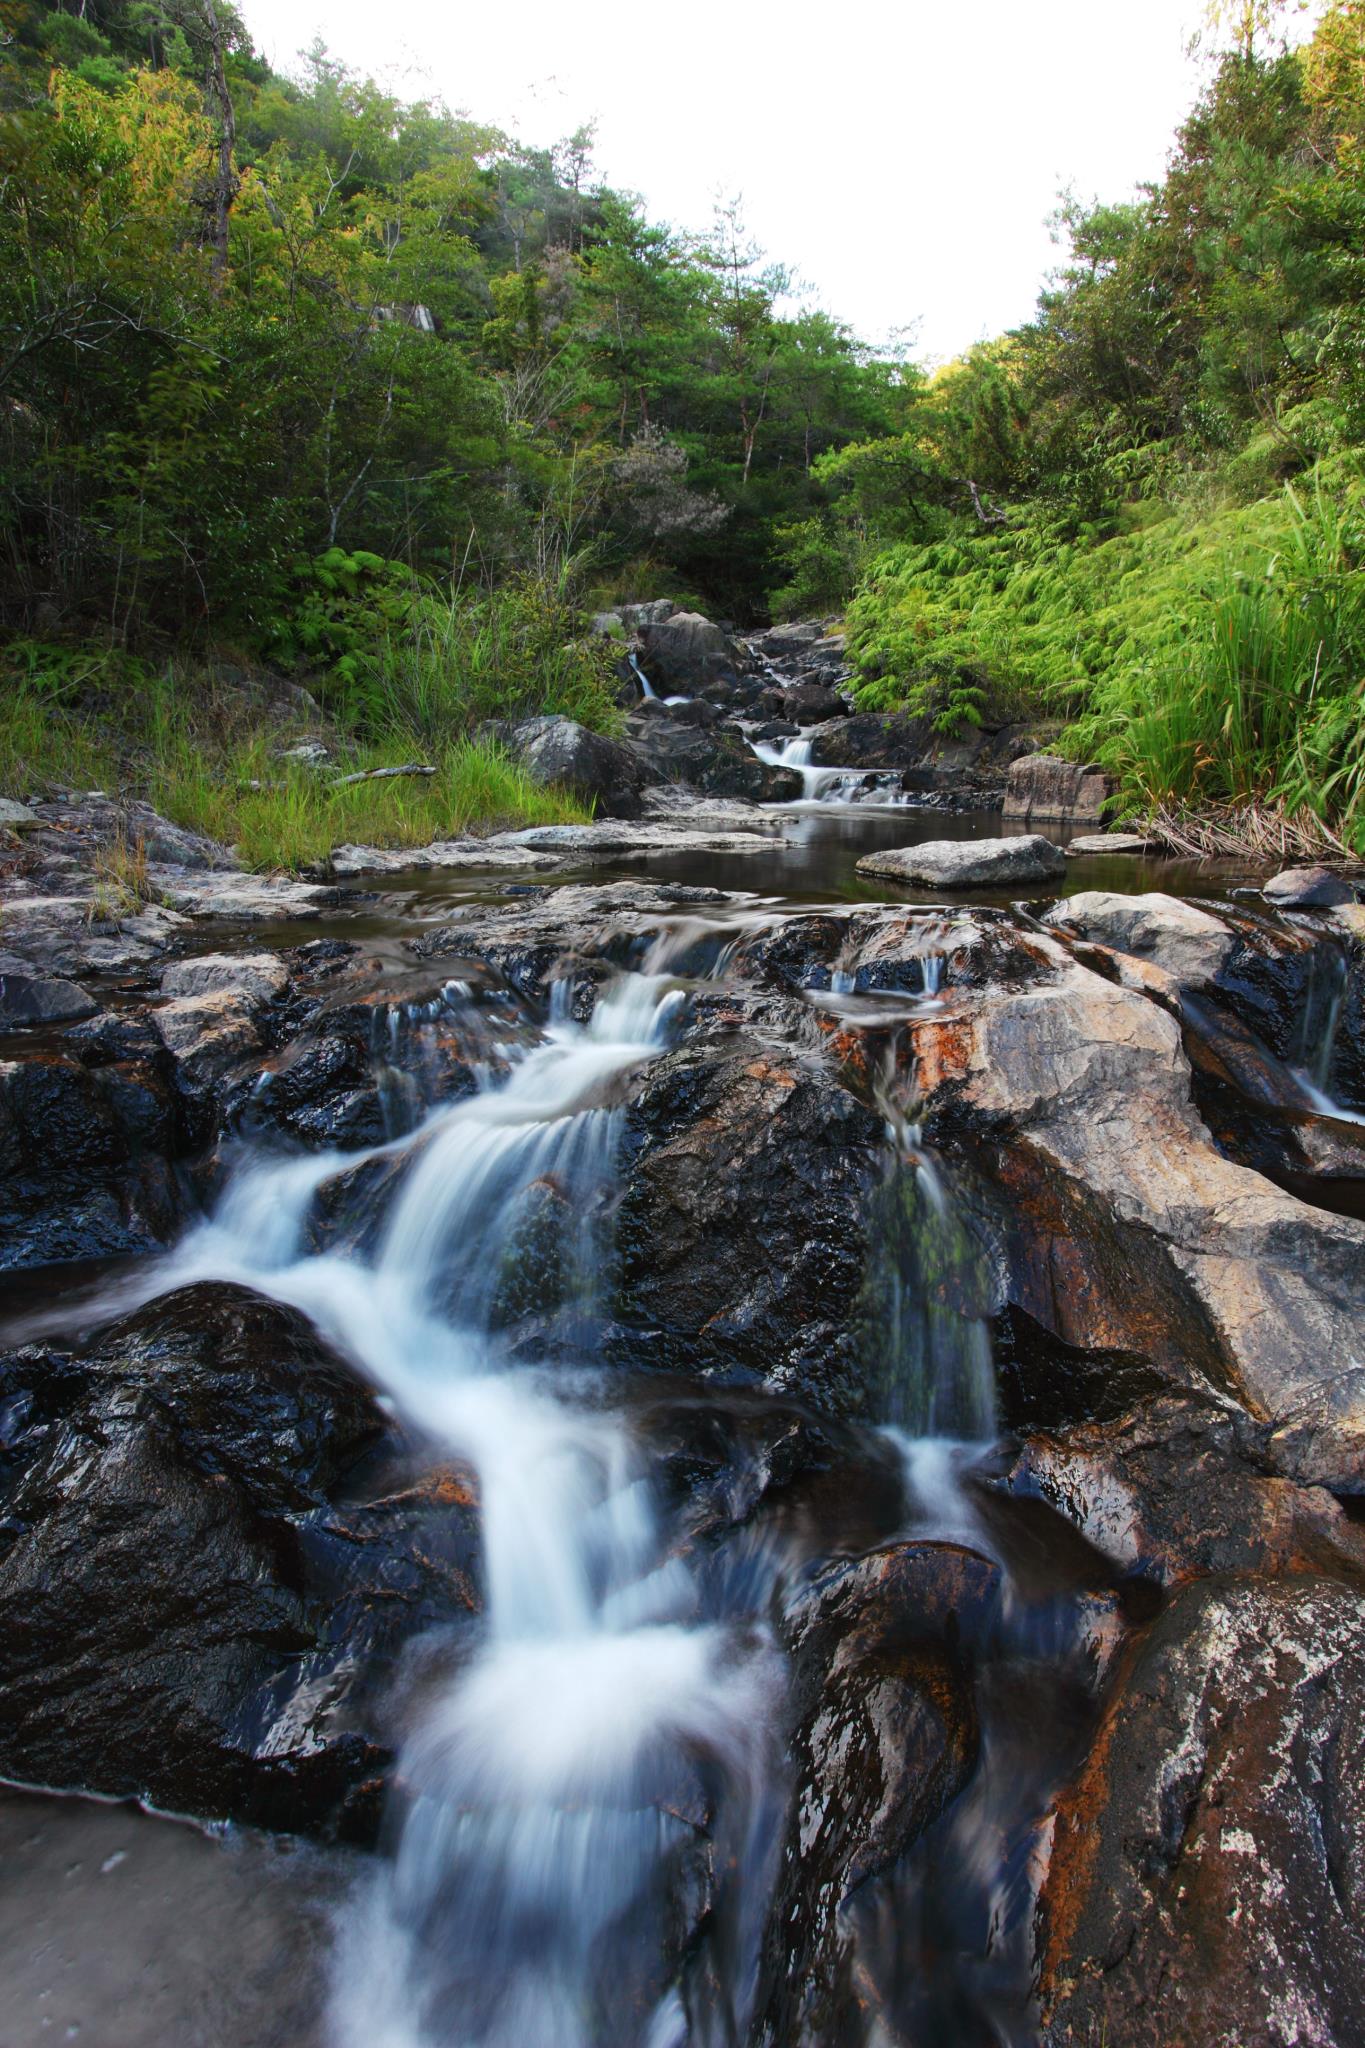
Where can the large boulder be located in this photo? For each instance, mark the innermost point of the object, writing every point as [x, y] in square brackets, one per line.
[27, 999]
[1192, 944]
[600, 771]
[969, 863]
[190, 1616]
[1129, 1234]
[1045, 786]
[685, 650]
[1207, 1875]
[873, 739]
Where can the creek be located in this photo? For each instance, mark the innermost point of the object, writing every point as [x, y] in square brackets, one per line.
[625, 1811]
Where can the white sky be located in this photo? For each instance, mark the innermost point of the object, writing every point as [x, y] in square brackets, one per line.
[902, 157]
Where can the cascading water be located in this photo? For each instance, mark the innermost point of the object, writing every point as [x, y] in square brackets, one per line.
[647, 688]
[829, 785]
[551, 1787]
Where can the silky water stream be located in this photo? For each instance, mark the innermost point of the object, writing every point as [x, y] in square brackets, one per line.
[544, 1886]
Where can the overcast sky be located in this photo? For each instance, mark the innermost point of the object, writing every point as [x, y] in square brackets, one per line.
[902, 155]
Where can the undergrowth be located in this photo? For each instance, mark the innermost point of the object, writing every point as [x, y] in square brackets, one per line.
[194, 754]
[1203, 653]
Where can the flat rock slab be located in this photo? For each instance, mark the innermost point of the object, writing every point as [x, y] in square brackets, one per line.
[969, 863]
[444, 853]
[36, 999]
[1315, 888]
[258, 898]
[609, 840]
[1110, 842]
[259, 977]
[14, 817]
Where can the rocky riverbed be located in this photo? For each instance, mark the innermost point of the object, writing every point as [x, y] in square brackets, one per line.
[777, 1469]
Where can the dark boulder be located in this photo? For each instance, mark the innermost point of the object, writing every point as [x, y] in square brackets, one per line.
[717, 763]
[685, 650]
[873, 739]
[1207, 1875]
[812, 703]
[742, 1231]
[28, 999]
[192, 1616]
[600, 771]
[83, 1168]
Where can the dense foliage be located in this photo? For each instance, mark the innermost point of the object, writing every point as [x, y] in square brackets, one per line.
[248, 320]
[1147, 508]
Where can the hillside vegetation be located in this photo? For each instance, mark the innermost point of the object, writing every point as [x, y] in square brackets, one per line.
[301, 381]
[1147, 508]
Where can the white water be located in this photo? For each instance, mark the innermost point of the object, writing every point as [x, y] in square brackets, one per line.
[544, 1779]
[829, 785]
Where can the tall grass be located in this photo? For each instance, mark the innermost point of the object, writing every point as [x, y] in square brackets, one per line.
[196, 764]
[1209, 653]
[509, 653]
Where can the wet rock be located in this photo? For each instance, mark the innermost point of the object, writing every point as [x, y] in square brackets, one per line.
[1190, 943]
[1173, 1490]
[886, 1735]
[742, 1230]
[493, 852]
[1132, 1234]
[599, 770]
[253, 898]
[1310, 888]
[259, 978]
[32, 999]
[812, 703]
[969, 863]
[184, 1601]
[76, 1177]
[1206, 1877]
[1045, 786]
[717, 763]
[207, 1035]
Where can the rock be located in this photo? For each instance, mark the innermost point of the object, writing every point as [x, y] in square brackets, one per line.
[207, 1035]
[650, 839]
[1045, 786]
[1191, 944]
[742, 1233]
[1109, 842]
[812, 703]
[1128, 1235]
[886, 1736]
[684, 649]
[716, 763]
[599, 770]
[1207, 1874]
[1311, 888]
[607, 625]
[82, 1171]
[494, 852]
[186, 1613]
[653, 613]
[970, 863]
[254, 898]
[16, 817]
[308, 754]
[31, 999]
[872, 739]
[259, 978]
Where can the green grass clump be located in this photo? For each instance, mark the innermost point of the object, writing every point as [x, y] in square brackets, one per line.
[194, 758]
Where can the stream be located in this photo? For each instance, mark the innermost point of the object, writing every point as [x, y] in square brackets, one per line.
[587, 1840]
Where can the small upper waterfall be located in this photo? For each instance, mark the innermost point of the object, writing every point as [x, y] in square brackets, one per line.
[829, 785]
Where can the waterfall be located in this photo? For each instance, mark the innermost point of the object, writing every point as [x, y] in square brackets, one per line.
[551, 1785]
[830, 785]
[647, 688]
